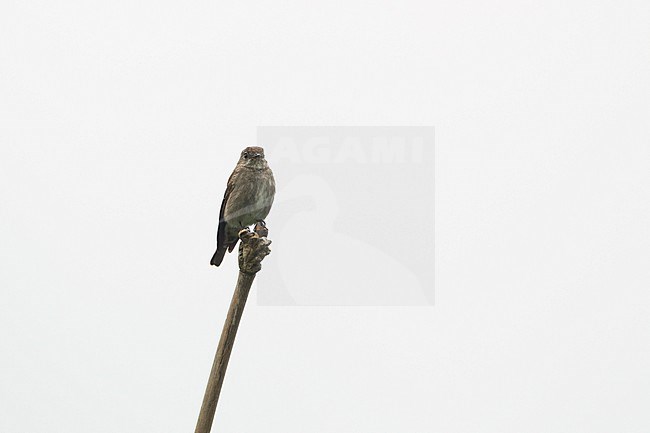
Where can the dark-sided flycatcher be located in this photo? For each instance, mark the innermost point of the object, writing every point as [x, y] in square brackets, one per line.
[248, 199]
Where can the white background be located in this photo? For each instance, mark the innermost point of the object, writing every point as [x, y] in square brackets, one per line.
[120, 122]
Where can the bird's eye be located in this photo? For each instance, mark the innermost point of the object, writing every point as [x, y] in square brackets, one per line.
[245, 154]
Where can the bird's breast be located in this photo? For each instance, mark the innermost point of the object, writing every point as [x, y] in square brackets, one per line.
[252, 197]
[264, 192]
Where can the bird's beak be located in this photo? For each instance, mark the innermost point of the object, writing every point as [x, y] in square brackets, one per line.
[257, 155]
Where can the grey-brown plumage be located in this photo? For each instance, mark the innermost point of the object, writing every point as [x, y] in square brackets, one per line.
[248, 199]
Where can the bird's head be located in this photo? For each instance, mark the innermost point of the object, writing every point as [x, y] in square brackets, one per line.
[253, 157]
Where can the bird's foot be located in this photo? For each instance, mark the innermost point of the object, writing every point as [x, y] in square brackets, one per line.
[261, 229]
[244, 233]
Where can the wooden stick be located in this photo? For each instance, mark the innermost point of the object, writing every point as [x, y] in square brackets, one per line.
[252, 250]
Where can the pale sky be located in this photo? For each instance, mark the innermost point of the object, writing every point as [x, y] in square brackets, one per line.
[121, 121]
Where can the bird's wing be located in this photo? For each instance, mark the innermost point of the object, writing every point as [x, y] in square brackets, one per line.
[221, 232]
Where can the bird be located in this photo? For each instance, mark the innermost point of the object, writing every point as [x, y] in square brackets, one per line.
[248, 198]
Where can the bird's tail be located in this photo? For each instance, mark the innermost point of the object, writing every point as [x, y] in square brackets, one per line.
[217, 258]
